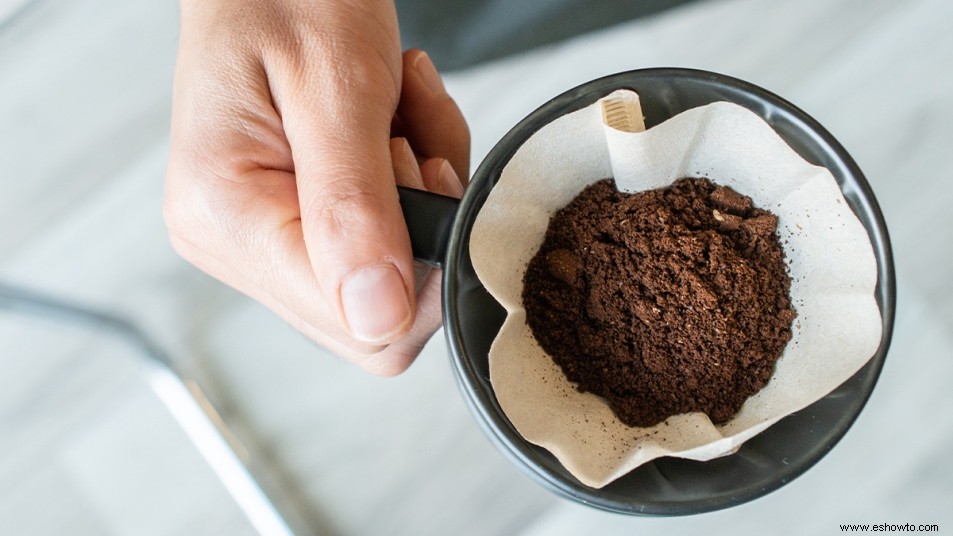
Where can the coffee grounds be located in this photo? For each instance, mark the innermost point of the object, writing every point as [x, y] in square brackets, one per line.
[662, 302]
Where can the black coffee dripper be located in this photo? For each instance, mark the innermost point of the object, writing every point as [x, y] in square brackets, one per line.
[440, 229]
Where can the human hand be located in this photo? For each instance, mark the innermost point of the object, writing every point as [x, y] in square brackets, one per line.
[282, 172]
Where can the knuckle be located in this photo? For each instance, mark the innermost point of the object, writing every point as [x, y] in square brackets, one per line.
[346, 67]
[342, 208]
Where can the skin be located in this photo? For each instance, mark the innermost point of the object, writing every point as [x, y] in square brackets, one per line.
[293, 121]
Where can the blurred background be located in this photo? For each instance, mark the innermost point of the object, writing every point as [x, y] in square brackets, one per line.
[96, 437]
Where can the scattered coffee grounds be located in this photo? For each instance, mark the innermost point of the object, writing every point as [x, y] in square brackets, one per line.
[662, 302]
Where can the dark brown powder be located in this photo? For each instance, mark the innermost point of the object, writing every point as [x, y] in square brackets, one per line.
[662, 302]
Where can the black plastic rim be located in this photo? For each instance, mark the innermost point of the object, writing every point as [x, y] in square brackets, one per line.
[667, 486]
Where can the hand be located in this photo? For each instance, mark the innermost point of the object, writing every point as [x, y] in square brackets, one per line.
[282, 172]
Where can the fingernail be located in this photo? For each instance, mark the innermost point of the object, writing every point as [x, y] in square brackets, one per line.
[406, 169]
[428, 74]
[375, 302]
[450, 180]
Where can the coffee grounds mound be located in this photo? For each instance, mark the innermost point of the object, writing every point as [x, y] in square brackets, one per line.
[662, 302]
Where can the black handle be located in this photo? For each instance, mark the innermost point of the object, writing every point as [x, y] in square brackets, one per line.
[429, 220]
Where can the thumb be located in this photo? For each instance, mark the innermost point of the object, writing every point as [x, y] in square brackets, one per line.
[352, 225]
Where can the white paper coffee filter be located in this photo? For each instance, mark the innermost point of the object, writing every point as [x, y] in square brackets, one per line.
[832, 268]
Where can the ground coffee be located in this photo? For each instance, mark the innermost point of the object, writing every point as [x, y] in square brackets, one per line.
[662, 302]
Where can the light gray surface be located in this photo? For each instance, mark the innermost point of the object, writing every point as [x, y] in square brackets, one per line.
[84, 101]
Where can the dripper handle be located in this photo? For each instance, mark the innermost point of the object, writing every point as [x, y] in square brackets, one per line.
[429, 218]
